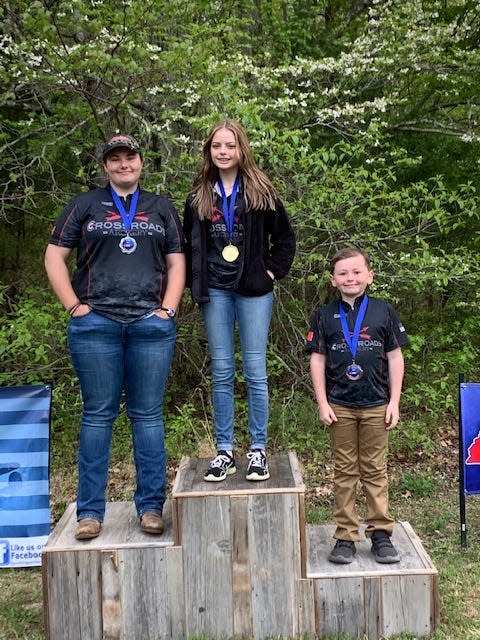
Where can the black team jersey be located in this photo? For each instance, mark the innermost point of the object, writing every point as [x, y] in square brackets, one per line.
[380, 333]
[121, 286]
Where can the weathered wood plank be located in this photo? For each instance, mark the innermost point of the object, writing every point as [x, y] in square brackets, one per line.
[87, 580]
[275, 563]
[183, 467]
[72, 589]
[320, 543]
[283, 478]
[175, 627]
[435, 602]
[111, 605]
[228, 490]
[241, 577]
[65, 522]
[374, 618]
[143, 580]
[406, 604]
[306, 608]
[120, 528]
[295, 469]
[302, 525]
[207, 549]
[416, 543]
[176, 522]
[339, 606]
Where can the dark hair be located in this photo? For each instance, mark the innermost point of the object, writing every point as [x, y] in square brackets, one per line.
[349, 252]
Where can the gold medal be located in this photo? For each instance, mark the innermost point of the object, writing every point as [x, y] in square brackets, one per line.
[230, 253]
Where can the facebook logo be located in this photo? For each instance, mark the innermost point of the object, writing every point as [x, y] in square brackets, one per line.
[4, 552]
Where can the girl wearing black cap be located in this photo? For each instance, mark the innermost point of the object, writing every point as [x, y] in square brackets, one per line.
[122, 300]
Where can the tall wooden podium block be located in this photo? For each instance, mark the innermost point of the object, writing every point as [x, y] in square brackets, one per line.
[243, 549]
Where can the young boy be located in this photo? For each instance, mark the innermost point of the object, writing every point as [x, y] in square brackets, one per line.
[357, 369]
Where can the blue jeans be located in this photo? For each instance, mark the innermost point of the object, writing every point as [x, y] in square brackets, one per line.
[111, 358]
[252, 314]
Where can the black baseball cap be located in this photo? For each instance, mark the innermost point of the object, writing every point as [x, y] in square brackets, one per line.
[120, 140]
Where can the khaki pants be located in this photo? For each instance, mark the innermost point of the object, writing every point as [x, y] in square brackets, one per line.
[359, 443]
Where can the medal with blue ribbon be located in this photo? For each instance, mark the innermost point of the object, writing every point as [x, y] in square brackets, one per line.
[127, 244]
[230, 252]
[354, 371]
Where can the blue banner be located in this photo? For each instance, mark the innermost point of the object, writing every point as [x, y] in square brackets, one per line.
[470, 425]
[24, 466]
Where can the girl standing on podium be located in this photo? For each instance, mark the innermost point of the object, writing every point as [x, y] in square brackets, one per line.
[122, 301]
[239, 241]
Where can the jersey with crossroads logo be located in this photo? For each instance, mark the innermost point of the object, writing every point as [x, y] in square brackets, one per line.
[119, 285]
[381, 332]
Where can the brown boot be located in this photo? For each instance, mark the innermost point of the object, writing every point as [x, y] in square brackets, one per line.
[152, 522]
[87, 528]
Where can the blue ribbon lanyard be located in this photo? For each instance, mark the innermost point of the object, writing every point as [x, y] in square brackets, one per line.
[228, 212]
[127, 218]
[352, 342]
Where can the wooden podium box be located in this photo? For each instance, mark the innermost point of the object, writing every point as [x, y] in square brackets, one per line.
[236, 560]
[365, 598]
[243, 549]
[125, 584]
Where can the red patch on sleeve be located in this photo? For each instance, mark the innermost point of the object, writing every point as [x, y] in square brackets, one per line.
[309, 336]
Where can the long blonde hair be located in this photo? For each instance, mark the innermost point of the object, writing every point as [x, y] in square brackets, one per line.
[258, 191]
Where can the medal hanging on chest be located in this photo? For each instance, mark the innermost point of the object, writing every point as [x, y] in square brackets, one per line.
[354, 371]
[127, 244]
[230, 252]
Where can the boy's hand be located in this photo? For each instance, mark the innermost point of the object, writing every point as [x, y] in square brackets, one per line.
[327, 415]
[392, 416]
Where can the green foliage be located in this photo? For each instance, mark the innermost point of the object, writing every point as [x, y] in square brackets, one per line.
[366, 117]
[319, 514]
[448, 346]
[122, 437]
[415, 437]
[186, 434]
[367, 123]
[416, 485]
[294, 424]
[32, 340]
[33, 351]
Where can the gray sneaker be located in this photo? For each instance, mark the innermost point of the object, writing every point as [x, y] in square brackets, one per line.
[382, 548]
[343, 552]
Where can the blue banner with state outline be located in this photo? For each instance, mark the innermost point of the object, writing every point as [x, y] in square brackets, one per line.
[470, 425]
[24, 474]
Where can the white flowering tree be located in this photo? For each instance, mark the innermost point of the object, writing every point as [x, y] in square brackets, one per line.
[366, 115]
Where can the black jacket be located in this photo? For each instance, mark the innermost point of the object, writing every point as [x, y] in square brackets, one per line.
[269, 244]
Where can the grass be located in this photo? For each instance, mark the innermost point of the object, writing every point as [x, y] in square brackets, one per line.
[21, 606]
[423, 491]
